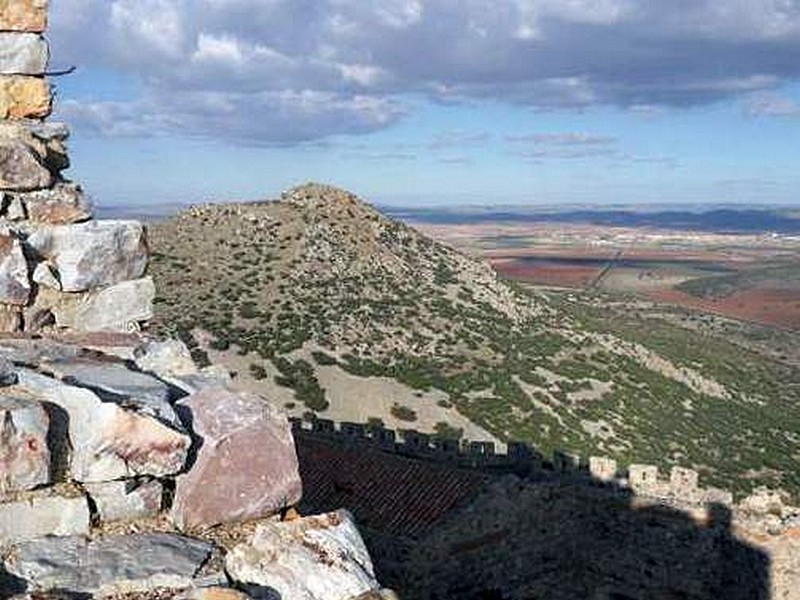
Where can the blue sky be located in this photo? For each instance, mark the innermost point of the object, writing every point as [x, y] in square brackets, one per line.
[433, 101]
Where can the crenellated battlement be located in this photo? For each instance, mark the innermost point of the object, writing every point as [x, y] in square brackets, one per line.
[680, 487]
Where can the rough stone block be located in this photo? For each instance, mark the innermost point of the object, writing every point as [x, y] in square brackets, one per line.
[246, 466]
[14, 285]
[94, 254]
[23, 54]
[24, 455]
[120, 308]
[603, 469]
[108, 441]
[117, 564]
[62, 204]
[46, 140]
[314, 558]
[683, 482]
[22, 96]
[126, 500]
[23, 15]
[37, 517]
[643, 478]
[20, 167]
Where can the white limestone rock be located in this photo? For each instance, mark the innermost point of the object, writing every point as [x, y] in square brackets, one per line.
[117, 308]
[115, 382]
[313, 558]
[126, 500]
[165, 358]
[23, 54]
[94, 254]
[108, 441]
[118, 564]
[41, 516]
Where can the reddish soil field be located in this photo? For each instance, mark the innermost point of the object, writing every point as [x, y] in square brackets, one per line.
[769, 306]
[555, 275]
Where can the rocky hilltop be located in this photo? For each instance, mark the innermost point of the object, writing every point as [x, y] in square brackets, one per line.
[126, 470]
[322, 303]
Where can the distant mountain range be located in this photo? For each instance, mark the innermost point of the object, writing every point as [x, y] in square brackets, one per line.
[733, 220]
[701, 218]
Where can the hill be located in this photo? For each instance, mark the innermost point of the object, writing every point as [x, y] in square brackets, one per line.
[319, 300]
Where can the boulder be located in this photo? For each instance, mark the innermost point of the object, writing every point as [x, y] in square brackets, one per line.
[245, 466]
[314, 558]
[46, 140]
[125, 500]
[63, 203]
[115, 382]
[117, 308]
[25, 351]
[93, 254]
[40, 516]
[165, 358]
[24, 454]
[118, 564]
[23, 54]
[23, 15]
[14, 285]
[24, 97]
[20, 167]
[108, 441]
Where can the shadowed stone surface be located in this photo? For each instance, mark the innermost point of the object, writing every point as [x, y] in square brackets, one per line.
[125, 500]
[24, 455]
[29, 519]
[108, 565]
[20, 168]
[23, 15]
[94, 254]
[110, 442]
[14, 285]
[23, 54]
[24, 97]
[314, 558]
[246, 465]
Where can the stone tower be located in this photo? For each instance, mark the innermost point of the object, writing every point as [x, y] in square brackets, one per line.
[59, 268]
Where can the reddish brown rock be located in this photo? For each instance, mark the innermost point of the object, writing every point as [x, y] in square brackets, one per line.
[24, 97]
[23, 15]
[64, 203]
[246, 465]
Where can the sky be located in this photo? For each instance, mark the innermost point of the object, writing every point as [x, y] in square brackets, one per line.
[432, 102]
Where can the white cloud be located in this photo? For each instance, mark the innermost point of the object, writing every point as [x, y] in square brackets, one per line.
[356, 61]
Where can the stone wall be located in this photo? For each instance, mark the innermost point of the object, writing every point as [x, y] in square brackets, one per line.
[59, 269]
[680, 487]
